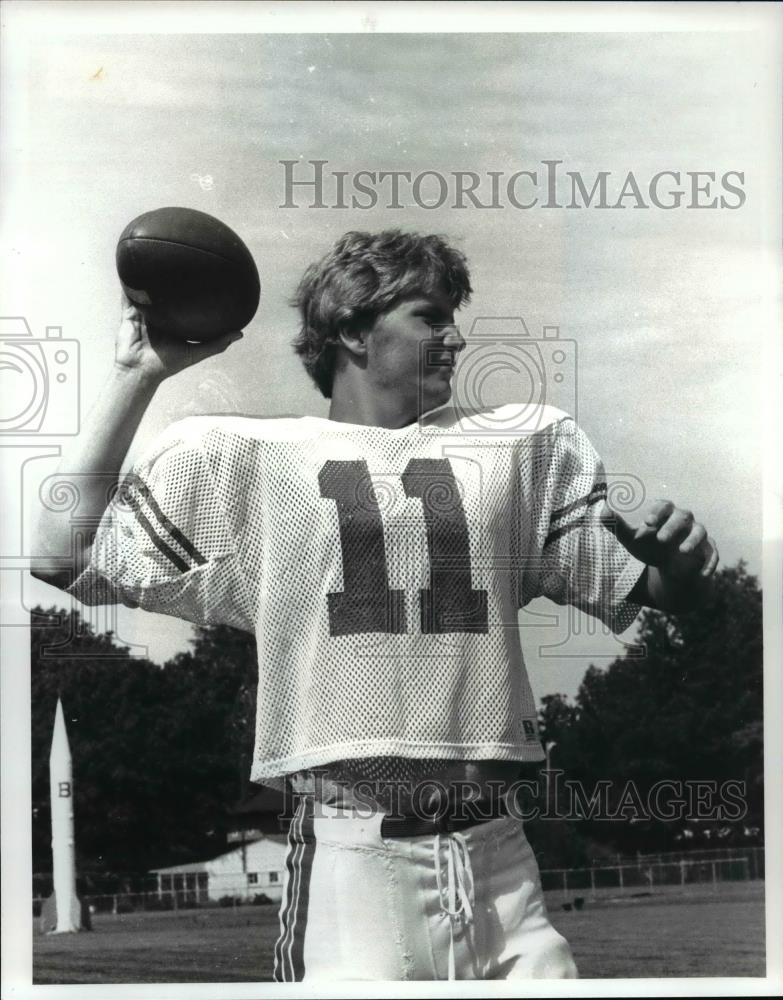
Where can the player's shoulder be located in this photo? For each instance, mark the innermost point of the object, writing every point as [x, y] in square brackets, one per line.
[223, 439]
[523, 421]
[195, 431]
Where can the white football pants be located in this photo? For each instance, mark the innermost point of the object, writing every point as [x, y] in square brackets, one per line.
[358, 905]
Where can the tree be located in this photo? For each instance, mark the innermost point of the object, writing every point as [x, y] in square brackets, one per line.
[690, 710]
[156, 751]
[103, 691]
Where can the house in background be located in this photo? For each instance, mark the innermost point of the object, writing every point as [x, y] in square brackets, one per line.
[258, 828]
[263, 811]
[256, 866]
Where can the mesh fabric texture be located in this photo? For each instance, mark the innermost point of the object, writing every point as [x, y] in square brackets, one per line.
[381, 571]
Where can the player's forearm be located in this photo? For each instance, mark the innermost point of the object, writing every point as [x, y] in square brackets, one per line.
[667, 592]
[92, 464]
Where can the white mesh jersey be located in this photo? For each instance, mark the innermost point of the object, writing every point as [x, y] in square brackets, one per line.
[381, 571]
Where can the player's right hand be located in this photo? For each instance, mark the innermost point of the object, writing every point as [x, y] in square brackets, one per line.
[152, 354]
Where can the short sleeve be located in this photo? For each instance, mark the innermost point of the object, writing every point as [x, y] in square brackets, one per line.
[164, 543]
[581, 561]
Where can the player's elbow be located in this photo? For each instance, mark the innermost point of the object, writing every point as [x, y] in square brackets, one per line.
[53, 563]
[55, 576]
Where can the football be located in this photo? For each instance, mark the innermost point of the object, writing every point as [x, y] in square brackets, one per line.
[189, 273]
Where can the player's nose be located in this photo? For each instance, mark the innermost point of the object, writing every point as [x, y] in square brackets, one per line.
[453, 339]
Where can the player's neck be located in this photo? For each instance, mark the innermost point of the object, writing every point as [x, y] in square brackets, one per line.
[355, 405]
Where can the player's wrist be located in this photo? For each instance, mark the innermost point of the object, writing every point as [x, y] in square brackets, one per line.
[137, 378]
[677, 591]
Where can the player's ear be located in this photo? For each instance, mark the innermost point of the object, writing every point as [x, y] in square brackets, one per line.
[353, 339]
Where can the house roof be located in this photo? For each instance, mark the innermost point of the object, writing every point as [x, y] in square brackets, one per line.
[193, 866]
[203, 866]
[264, 800]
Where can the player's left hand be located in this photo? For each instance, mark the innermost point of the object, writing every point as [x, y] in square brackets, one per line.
[670, 539]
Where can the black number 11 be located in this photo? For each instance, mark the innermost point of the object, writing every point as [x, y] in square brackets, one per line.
[367, 603]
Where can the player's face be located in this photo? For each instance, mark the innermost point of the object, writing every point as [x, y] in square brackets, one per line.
[412, 351]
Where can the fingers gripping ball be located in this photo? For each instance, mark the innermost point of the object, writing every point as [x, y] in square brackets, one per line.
[191, 276]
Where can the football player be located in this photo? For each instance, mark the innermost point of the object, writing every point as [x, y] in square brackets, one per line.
[380, 556]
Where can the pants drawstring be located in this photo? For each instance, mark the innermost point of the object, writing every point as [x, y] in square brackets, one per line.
[461, 895]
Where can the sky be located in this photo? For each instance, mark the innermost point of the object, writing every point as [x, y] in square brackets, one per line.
[665, 308]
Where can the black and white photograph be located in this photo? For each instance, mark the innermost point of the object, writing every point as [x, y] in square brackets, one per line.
[391, 548]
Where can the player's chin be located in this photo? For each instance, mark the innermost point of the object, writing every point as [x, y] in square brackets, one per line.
[437, 391]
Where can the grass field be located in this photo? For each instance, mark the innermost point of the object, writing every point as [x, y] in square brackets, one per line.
[701, 932]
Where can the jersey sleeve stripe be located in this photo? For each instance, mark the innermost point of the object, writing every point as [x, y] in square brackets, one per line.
[157, 541]
[578, 522]
[598, 492]
[169, 525]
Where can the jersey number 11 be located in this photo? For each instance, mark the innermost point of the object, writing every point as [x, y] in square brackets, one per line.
[367, 603]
